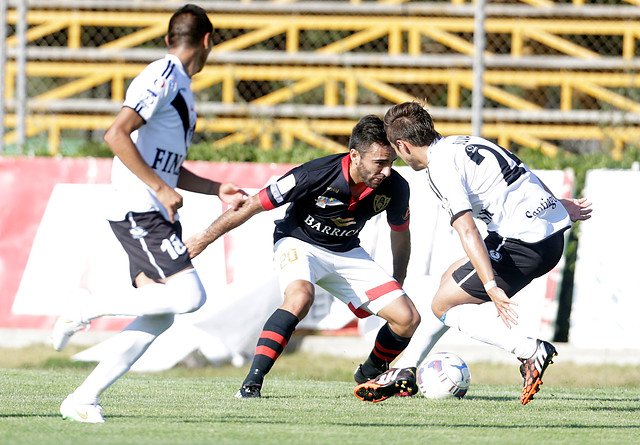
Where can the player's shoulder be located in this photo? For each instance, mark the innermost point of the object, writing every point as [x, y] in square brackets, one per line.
[162, 74]
[324, 163]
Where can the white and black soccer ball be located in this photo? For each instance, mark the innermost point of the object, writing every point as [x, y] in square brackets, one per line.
[442, 375]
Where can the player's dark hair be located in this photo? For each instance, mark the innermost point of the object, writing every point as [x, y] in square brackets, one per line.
[188, 25]
[368, 130]
[410, 122]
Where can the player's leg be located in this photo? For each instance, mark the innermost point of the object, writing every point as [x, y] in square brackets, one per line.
[181, 293]
[161, 271]
[275, 335]
[458, 303]
[295, 277]
[125, 348]
[422, 342]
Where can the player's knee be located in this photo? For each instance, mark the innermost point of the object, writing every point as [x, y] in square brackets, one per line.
[188, 291]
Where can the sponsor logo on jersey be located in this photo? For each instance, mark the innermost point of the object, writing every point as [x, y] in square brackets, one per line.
[138, 232]
[324, 201]
[343, 222]
[167, 161]
[550, 203]
[407, 214]
[328, 230]
[332, 189]
[485, 216]
[380, 202]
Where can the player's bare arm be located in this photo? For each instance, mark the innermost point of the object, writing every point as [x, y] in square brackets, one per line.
[400, 251]
[118, 138]
[228, 221]
[229, 193]
[476, 250]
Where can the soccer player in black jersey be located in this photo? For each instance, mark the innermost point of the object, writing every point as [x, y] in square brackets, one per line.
[331, 199]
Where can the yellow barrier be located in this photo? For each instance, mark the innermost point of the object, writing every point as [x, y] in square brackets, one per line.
[262, 27]
[315, 132]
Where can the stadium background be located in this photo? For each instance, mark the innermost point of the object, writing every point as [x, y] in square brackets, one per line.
[558, 75]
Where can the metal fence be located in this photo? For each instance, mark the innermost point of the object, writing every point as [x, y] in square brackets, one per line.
[556, 74]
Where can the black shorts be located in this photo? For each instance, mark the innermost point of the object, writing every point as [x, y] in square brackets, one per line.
[153, 244]
[515, 264]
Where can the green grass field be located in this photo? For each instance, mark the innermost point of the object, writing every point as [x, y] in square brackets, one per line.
[309, 400]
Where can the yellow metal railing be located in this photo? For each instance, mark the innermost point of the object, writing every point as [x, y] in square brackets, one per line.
[551, 33]
[385, 82]
[315, 132]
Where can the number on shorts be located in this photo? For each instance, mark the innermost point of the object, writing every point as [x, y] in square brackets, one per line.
[288, 257]
[173, 246]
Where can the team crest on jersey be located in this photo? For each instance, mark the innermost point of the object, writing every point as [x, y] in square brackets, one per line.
[495, 255]
[138, 232]
[380, 203]
[325, 201]
[343, 222]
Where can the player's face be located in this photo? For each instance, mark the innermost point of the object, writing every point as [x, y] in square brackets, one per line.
[410, 155]
[374, 166]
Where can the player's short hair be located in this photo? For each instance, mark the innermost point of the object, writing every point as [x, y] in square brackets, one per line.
[368, 131]
[188, 25]
[410, 122]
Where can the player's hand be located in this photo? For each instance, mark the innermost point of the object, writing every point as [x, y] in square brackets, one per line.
[578, 209]
[196, 244]
[171, 200]
[232, 195]
[504, 305]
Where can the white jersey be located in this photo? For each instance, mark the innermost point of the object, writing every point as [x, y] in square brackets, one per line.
[161, 94]
[472, 173]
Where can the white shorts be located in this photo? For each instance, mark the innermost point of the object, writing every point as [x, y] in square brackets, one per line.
[352, 277]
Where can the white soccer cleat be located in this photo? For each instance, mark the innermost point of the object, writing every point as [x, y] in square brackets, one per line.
[68, 324]
[71, 410]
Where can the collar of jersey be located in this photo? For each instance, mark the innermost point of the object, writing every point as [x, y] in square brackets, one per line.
[346, 162]
[175, 59]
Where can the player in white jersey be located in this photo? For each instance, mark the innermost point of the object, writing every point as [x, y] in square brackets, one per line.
[474, 177]
[149, 137]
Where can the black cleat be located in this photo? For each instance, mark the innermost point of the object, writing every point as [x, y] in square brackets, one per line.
[361, 377]
[249, 392]
[393, 382]
[533, 368]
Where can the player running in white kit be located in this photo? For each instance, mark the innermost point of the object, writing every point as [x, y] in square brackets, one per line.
[149, 137]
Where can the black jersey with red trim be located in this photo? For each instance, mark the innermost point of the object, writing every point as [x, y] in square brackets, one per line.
[324, 213]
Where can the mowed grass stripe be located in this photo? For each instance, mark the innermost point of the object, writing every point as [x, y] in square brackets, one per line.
[158, 409]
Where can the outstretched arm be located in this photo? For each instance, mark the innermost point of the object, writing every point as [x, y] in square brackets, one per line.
[477, 252]
[229, 193]
[229, 220]
[401, 251]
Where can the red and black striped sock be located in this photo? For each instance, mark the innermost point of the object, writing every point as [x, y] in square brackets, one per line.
[388, 346]
[273, 339]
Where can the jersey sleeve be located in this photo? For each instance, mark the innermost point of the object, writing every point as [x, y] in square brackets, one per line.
[398, 214]
[149, 91]
[291, 186]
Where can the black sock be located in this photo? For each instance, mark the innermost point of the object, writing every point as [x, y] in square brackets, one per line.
[388, 346]
[273, 339]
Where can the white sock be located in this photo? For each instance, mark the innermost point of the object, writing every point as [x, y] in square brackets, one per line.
[423, 340]
[181, 294]
[481, 322]
[126, 348]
